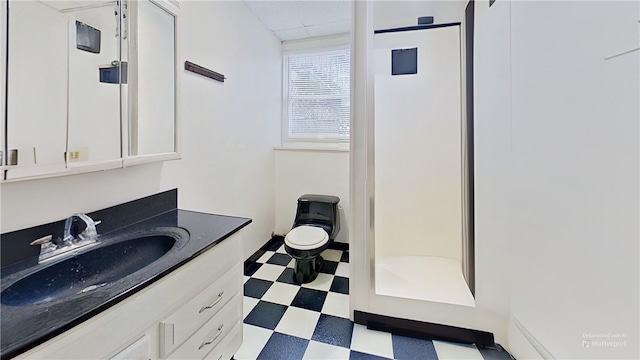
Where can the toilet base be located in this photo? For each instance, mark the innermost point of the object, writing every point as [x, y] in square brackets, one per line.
[307, 263]
[306, 270]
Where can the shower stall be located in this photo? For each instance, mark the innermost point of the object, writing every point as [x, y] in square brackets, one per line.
[411, 173]
[420, 217]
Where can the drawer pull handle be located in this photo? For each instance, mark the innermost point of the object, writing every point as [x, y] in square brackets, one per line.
[213, 303]
[214, 338]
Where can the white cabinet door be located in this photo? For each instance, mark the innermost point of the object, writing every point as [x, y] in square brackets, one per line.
[139, 350]
[93, 133]
[153, 111]
[37, 88]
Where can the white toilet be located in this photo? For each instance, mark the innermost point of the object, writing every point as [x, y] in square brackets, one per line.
[306, 238]
[314, 228]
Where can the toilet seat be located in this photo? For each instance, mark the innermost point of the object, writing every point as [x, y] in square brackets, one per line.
[306, 238]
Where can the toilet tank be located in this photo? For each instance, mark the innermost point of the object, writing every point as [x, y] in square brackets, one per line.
[319, 210]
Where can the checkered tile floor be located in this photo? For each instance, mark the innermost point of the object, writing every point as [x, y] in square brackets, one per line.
[283, 320]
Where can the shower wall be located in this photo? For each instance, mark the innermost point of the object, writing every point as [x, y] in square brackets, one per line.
[418, 148]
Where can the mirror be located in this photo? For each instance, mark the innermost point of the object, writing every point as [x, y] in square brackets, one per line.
[90, 83]
[37, 89]
[3, 88]
[94, 85]
[62, 109]
[153, 108]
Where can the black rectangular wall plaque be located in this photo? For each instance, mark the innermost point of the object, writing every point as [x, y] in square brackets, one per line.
[404, 61]
[200, 70]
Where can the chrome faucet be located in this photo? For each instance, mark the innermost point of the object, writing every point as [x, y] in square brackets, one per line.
[72, 239]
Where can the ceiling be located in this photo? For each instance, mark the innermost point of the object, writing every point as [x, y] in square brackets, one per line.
[295, 20]
[71, 5]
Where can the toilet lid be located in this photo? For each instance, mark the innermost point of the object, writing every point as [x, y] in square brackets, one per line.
[306, 237]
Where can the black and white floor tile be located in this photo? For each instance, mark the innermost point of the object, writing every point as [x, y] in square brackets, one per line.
[284, 320]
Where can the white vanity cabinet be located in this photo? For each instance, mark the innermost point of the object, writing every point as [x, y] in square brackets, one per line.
[139, 350]
[195, 312]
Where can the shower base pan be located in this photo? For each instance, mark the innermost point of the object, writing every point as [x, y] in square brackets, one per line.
[428, 278]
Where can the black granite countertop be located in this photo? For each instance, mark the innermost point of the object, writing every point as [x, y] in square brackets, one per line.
[24, 327]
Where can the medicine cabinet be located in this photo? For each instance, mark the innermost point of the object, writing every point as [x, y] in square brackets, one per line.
[87, 85]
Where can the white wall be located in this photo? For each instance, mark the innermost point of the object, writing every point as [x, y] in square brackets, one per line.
[558, 127]
[228, 132]
[34, 202]
[418, 150]
[575, 174]
[300, 171]
[492, 146]
[229, 129]
[399, 13]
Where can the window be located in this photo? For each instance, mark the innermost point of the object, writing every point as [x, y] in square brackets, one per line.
[317, 95]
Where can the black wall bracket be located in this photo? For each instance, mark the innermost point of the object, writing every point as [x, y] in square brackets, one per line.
[200, 70]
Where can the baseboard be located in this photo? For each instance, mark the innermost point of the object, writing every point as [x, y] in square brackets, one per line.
[523, 345]
[250, 265]
[424, 330]
[274, 242]
[339, 246]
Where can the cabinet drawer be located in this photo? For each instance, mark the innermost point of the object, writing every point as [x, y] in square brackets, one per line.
[182, 323]
[227, 346]
[212, 333]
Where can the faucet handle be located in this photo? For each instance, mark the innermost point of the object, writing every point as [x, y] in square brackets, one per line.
[90, 232]
[42, 240]
[88, 220]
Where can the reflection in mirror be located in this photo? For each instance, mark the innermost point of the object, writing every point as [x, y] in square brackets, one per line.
[61, 111]
[3, 88]
[37, 88]
[94, 86]
[153, 110]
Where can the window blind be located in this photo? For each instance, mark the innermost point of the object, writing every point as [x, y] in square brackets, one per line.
[318, 95]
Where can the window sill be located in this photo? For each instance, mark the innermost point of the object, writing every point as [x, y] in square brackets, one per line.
[314, 147]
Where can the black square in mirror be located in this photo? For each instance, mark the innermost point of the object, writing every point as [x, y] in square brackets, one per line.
[87, 38]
